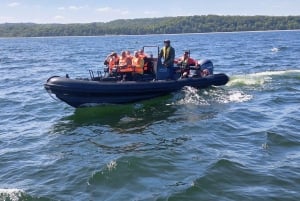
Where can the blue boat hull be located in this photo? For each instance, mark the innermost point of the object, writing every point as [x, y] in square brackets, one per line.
[80, 93]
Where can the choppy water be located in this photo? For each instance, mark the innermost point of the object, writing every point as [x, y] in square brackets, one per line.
[237, 142]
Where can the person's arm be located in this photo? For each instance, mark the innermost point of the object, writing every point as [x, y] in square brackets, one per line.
[142, 63]
[128, 61]
[161, 53]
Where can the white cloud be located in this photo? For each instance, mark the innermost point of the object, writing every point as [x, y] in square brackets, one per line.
[59, 17]
[104, 9]
[112, 10]
[77, 7]
[73, 8]
[124, 12]
[150, 12]
[13, 4]
[4, 19]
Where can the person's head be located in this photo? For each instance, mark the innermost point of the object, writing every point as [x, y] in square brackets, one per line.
[141, 51]
[167, 43]
[123, 53]
[113, 54]
[136, 53]
[128, 53]
[186, 54]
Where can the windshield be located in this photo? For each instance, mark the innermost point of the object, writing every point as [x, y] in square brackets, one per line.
[151, 51]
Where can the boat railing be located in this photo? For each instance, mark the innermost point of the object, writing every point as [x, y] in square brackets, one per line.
[92, 75]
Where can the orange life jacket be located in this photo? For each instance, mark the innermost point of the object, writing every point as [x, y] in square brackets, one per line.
[138, 64]
[113, 61]
[124, 61]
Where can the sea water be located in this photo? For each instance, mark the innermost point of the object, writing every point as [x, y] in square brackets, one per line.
[236, 142]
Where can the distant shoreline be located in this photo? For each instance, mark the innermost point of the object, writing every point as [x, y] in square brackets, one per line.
[234, 32]
[155, 26]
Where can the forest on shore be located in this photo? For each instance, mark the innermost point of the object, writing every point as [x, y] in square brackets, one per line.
[163, 25]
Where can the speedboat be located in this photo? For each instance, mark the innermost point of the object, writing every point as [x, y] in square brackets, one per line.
[111, 88]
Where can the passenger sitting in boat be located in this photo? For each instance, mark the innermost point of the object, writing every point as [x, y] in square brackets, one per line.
[185, 62]
[111, 60]
[138, 63]
[142, 54]
[124, 61]
[125, 67]
[128, 54]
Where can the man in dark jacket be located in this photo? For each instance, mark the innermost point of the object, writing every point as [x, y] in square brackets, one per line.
[168, 55]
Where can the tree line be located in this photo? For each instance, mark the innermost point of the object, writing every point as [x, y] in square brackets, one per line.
[164, 25]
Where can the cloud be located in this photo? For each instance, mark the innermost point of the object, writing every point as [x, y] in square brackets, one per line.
[73, 8]
[104, 9]
[124, 12]
[150, 12]
[4, 19]
[112, 10]
[13, 4]
[59, 17]
[77, 7]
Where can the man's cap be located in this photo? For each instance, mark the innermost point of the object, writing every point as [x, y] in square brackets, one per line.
[167, 41]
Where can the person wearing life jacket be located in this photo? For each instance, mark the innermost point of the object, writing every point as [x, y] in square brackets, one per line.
[125, 67]
[185, 62]
[168, 55]
[138, 63]
[128, 54]
[124, 60]
[142, 53]
[111, 61]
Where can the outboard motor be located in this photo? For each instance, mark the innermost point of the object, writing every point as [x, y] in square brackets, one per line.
[206, 65]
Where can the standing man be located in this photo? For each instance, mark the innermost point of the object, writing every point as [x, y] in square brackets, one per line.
[168, 54]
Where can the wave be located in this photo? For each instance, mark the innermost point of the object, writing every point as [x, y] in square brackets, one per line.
[281, 139]
[275, 49]
[211, 96]
[278, 49]
[15, 194]
[237, 181]
[261, 78]
[11, 194]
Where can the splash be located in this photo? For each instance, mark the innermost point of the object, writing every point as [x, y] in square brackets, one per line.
[276, 73]
[191, 96]
[11, 194]
[228, 96]
[238, 97]
[212, 96]
[261, 78]
[249, 80]
[111, 165]
[275, 49]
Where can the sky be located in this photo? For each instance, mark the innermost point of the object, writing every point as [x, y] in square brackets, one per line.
[85, 11]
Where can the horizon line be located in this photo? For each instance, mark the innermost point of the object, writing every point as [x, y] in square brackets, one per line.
[38, 23]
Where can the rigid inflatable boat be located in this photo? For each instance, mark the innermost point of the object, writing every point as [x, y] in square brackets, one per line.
[112, 89]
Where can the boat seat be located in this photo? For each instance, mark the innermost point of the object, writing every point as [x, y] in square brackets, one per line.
[148, 66]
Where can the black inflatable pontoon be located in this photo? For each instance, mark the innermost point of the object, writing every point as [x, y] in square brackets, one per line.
[113, 90]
